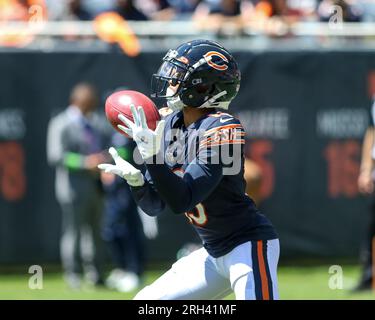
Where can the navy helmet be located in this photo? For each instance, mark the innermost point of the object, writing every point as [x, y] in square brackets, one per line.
[200, 74]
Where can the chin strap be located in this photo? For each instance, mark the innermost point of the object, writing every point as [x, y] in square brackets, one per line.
[176, 104]
[211, 103]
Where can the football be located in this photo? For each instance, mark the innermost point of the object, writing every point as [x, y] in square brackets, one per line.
[120, 101]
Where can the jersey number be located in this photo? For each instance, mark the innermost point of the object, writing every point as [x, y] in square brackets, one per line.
[198, 215]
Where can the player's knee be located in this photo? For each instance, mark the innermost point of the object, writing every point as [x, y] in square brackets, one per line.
[244, 288]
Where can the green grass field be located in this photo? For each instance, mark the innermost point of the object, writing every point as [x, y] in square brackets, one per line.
[308, 282]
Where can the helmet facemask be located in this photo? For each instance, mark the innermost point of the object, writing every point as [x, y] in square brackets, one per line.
[172, 74]
[167, 83]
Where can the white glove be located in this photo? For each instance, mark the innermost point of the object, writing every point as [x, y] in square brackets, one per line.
[123, 169]
[148, 141]
[149, 224]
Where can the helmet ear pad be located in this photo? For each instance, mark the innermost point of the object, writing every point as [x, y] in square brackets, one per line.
[204, 88]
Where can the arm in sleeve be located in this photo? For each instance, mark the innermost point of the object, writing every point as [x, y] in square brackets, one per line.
[58, 150]
[54, 141]
[182, 194]
[205, 172]
[148, 198]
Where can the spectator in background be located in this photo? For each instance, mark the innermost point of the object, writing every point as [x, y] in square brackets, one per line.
[339, 11]
[18, 10]
[211, 14]
[268, 17]
[11, 10]
[68, 10]
[75, 140]
[177, 10]
[154, 9]
[302, 10]
[183, 9]
[96, 7]
[226, 8]
[122, 229]
[366, 186]
[271, 8]
[290, 10]
[368, 10]
[128, 11]
[265, 16]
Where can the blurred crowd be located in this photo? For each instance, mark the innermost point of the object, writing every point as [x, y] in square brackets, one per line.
[204, 11]
[222, 17]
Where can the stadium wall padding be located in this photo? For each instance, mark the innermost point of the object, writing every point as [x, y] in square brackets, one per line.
[305, 113]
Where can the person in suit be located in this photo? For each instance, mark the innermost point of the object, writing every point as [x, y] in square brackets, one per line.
[75, 144]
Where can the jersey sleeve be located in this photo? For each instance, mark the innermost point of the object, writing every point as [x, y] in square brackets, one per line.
[182, 194]
[223, 143]
[214, 154]
[147, 197]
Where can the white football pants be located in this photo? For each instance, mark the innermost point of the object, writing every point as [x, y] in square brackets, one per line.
[250, 270]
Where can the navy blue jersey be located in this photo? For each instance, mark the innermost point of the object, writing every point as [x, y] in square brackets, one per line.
[200, 172]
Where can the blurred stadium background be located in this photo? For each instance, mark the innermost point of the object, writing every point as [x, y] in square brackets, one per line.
[308, 79]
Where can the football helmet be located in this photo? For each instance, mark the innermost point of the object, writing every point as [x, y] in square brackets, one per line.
[199, 74]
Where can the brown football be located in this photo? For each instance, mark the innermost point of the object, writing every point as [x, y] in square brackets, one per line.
[120, 101]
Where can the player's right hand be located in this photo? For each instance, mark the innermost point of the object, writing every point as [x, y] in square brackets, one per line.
[148, 141]
[123, 169]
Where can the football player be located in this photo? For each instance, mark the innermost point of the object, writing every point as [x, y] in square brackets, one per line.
[195, 165]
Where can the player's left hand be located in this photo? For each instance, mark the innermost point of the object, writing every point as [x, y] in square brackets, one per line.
[148, 141]
[123, 169]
